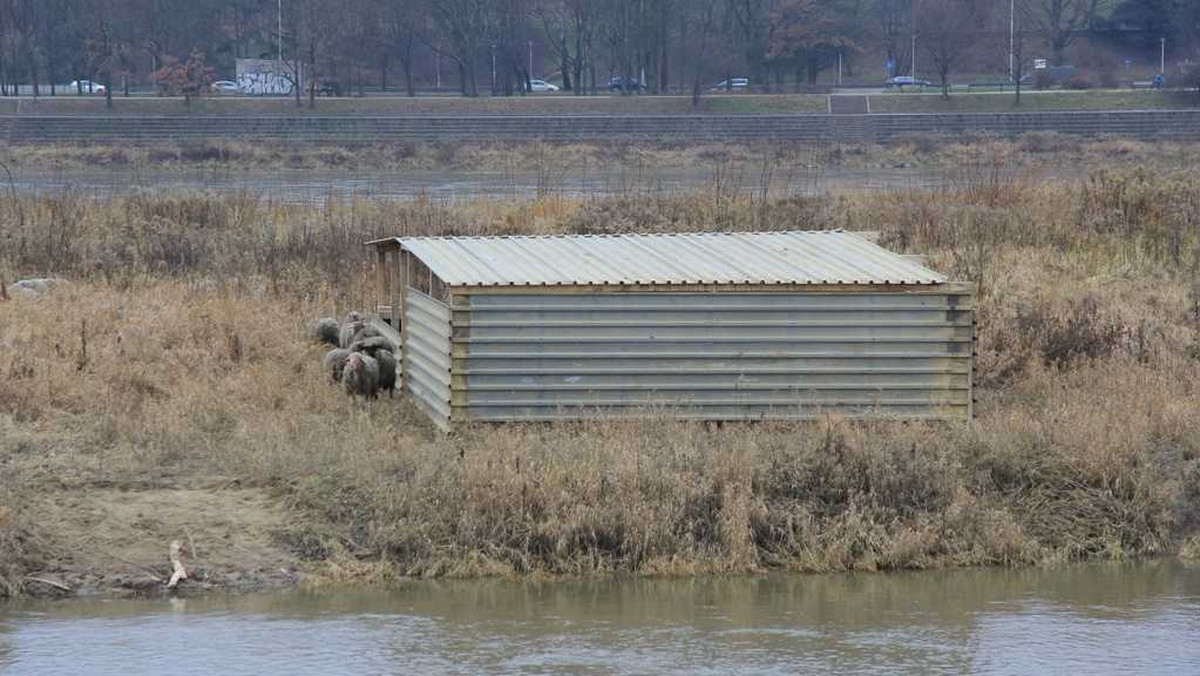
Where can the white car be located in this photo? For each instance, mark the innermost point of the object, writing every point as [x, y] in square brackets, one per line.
[737, 84]
[226, 87]
[87, 86]
[542, 86]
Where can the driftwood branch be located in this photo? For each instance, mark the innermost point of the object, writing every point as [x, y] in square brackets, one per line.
[51, 583]
[180, 573]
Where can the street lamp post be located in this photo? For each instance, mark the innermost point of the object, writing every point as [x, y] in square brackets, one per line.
[1162, 56]
[279, 19]
[1012, 37]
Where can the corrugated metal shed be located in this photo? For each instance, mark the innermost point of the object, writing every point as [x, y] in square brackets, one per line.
[792, 257]
[711, 326]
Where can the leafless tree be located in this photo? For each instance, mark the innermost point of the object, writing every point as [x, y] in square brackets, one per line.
[948, 29]
[1062, 21]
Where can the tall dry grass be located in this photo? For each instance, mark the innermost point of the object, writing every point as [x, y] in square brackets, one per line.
[194, 309]
[1062, 152]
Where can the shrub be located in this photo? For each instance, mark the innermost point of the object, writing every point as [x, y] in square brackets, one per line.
[1079, 81]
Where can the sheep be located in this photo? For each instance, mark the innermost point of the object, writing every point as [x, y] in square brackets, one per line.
[353, 323]
[33, 289]
[373, 345]
[327, 330]
[387, 371]
[334, 361]
[360, 375]
[367, 331]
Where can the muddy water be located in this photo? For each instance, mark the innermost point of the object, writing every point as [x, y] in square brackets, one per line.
[1097, 619]
[308, 186]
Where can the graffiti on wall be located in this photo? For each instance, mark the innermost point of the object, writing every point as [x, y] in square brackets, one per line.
[267, 77]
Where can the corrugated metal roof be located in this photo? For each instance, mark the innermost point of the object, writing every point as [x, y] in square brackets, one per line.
[795, 257]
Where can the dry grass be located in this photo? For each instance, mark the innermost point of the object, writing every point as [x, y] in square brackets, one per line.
[1048, 150]
[197, 369]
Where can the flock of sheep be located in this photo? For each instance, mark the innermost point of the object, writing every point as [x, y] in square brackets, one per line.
[362, 360]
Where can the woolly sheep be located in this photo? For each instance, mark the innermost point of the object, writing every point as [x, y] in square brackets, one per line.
[334, 361]
[360, 375]
[34, 289]
[327, 330]
[387, 371]
[373, 345]
[353, 323]
[367, 331]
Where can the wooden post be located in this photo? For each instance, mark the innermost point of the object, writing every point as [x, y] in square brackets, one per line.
[405, 259]
[381, 274]
[394, 290]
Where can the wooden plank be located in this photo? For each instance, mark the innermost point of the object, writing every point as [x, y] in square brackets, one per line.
[405, 259]
[381, 275]
[394, 291]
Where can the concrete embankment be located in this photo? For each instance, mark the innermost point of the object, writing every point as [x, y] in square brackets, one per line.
[804, 128]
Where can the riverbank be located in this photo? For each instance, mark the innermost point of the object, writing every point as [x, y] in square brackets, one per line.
[172, 389]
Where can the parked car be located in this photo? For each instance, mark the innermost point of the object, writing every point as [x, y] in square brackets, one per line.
[902, 81]
[329, 87]
[87, 86]
[736, 84]
[226, 87]
[542, 86]
[618, 83]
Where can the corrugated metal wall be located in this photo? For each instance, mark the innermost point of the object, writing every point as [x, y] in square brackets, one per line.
[426, 369]
[713, 356]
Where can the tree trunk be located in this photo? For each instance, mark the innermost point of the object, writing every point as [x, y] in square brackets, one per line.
[565, 64]
[33, 72]
[312, 74]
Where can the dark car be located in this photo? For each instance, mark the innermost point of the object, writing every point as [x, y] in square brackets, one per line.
[618, 83]
[329, 87]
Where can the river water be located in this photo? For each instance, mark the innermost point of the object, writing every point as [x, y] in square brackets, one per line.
[302, 186]
[1141, 618]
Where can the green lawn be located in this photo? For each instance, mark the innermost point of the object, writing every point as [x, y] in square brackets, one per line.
[560, 104]
[432, 105]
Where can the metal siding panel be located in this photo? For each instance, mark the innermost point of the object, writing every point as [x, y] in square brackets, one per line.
[714, 302]
[426, 304]
[725, 413]
[717, 356]
[427, 377]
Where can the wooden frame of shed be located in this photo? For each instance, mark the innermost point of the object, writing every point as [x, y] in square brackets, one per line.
[710, 326]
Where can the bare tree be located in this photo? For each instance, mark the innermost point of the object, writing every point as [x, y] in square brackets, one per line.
[894, 19]
[464, 24]
[948, 29]
[1062, 21]
[1019, 19]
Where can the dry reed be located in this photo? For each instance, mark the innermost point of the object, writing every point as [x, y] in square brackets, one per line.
[194, 312]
